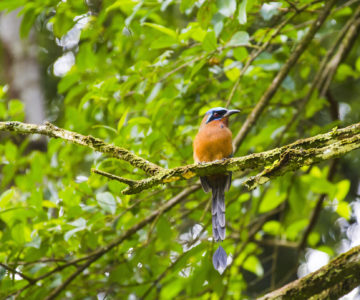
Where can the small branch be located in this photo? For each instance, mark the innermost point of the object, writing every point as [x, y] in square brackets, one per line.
[114, 177]
[89, 141]
[14, 271]
[342, 271]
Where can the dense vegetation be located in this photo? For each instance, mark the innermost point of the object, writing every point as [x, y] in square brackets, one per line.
[140, 75]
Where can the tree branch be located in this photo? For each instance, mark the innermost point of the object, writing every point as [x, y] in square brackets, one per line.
[279, 160]
[14, 271]
[342, 271]
[287, 158]
[89, 141]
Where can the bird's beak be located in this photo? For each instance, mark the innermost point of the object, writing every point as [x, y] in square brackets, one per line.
[231, 112]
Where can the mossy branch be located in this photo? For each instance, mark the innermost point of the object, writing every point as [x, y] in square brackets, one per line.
[271, 163]
[89, 141]
[276, 162]
[338, 277]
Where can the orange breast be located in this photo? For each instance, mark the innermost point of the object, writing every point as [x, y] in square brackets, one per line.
[213, 142]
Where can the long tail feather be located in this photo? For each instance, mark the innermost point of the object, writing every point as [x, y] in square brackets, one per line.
[218, 210]
[218, 185]
[220, 260]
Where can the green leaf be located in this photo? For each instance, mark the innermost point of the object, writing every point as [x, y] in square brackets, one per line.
[21, 233]
[6, 197]
[80, 225]
[163, 229]
[67, 82]
[293, 230]
[107, 202]
[271, 200]
[297, 196]
[205, 13]
[186, 4]
[344, 210]
[63, 22]
[242, 12]
[171, 289]
[357, 64]
[319, 185]
[16, 108]
[231, 70]
[49, 204]
[253, 265]
[218, 23]
[342, 189]
[10, 152]
[27, 21]
[240, 53]
[164, 41]
[123, 119]
[10, 5]
[326, 249]
[268, 10]
[313, 239]
[35, 243]
[139, 121]
[209, 43]
[344, 71]
[272, 227]
[239, 38]
[197, 67]
[162, 29]
[226, 7]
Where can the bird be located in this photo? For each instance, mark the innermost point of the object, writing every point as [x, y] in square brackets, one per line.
[213, 142]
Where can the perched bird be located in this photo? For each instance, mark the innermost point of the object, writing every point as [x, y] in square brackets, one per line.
[214, 142]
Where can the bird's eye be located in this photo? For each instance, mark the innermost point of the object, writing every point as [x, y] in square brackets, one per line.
[216, 115]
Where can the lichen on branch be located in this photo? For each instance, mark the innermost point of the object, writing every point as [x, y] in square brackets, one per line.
[89, 141]
[276, 162]
[270, 163]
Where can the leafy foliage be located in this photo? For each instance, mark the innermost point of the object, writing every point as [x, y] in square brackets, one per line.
[144, 74]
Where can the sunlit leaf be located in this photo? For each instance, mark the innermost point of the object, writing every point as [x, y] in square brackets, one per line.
[271, 200]
[231, 69]
[162, 29]
[209, 43]
[242, 12]
[226, 7]
[107, 201]
[239, 38]
[253, 265]
[344, 210]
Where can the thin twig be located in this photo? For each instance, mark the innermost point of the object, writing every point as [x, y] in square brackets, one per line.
[14, 271]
